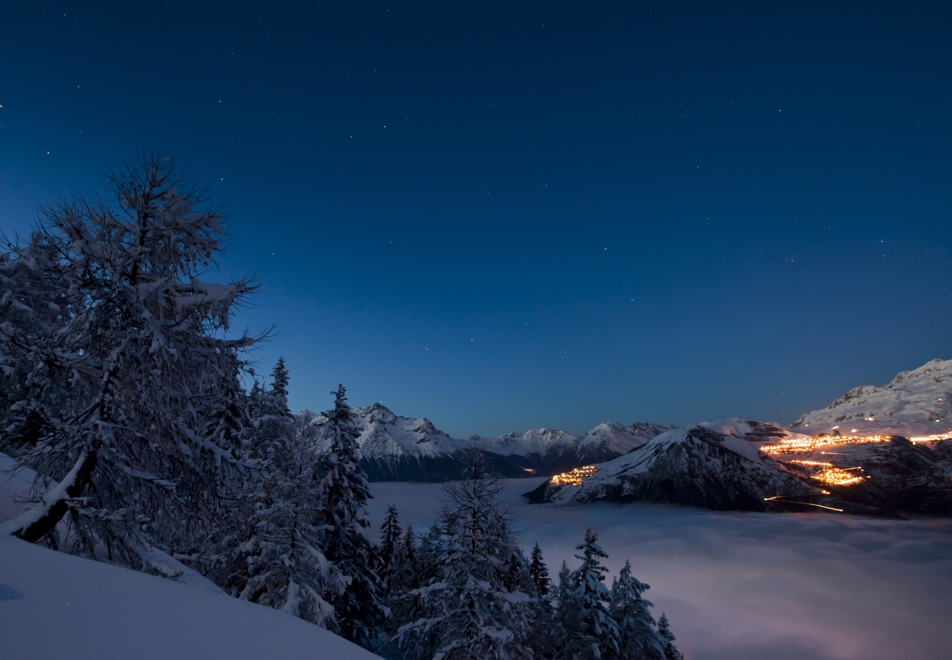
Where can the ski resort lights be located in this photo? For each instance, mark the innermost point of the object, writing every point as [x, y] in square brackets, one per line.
[832, 475]
[805, 445]
[574, 477]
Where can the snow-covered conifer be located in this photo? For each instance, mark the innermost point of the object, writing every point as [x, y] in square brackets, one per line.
[637, 637]
[389, 544]
[121, 351]
[589, 632]
[664, 631]
[360, 611]
[544, 638]
[281, 563]
[517, 576]
[539, 573]
[279, 387]
[467, 612]
[404, 573]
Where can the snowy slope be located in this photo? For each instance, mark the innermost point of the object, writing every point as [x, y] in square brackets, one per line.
[384, 434]
[909, 405]
[53, 605]
[615, 438]
[539, 442]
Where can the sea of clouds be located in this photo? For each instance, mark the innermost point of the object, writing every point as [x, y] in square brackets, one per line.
[749, 586]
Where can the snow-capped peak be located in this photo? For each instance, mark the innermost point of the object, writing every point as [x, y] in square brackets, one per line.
[914, 403]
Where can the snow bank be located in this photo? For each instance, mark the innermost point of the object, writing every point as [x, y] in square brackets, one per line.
[53, 605]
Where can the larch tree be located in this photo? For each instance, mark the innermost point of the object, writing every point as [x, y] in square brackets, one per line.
[113, 351]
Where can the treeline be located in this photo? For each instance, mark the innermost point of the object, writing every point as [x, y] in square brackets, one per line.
[120, 378]
[465, 589]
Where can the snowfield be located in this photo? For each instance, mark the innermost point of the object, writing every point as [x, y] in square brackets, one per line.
[750, 586]
[53, 605]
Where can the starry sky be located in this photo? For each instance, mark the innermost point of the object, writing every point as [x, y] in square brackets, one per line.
[505, 216]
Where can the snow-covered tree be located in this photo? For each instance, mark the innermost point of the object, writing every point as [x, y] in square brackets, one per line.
[113, 351]
[467, 612]
[517, 576]
[390, 533]
[404, 574]
[589, 633]
[279, 386]
[637, 636]
[360, 611]
[544, 639]
[664, 631]
[279, 561]
[539, 573]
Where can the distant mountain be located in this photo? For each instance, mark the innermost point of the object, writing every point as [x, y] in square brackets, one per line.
[876, 450]
[696, 466]
[914, 403]
[547, 452]
[395, 448]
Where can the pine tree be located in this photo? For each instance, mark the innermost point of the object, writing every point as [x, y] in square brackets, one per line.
[637, 637]
[468, 613]
[279, 387]
[517, 577]
[389, 545]
[403, 604]
[281, 563]
[589, 632]
[120, 346]
[664, 631]
[405, 578]
[544, 638]
[360, 611]
[539, 573]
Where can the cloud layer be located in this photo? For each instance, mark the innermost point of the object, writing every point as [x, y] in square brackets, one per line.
[751, 585]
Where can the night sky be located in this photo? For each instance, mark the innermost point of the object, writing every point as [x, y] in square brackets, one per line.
[505, 216]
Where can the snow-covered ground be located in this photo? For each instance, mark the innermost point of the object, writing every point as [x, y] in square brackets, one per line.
[742, 586]
[750, 586]
[53, 605]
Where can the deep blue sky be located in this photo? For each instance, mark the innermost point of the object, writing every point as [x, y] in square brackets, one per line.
[514, 215]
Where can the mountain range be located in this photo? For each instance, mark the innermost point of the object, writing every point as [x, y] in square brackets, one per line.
[395, 448]
[876, 450]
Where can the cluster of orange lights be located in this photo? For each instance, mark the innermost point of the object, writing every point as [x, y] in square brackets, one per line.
[832, 475]
[806, 445]
[575, 476]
